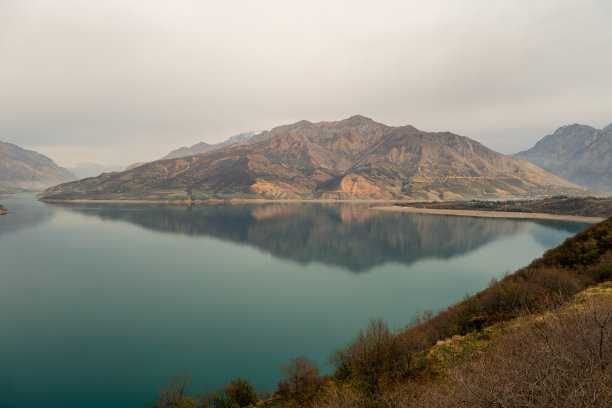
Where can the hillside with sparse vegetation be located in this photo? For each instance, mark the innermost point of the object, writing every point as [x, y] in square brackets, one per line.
[541, 336]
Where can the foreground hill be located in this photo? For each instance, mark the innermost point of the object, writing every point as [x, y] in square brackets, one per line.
[204, 147]
[355, 158]
[539, 337]
[578, 153]
[26, 170]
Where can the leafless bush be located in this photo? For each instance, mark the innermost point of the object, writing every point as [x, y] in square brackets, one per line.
[339, 396]
[377, 357]
[175, 394]
[301, 381]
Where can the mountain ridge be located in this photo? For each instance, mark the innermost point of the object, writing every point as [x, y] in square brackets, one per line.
[26, 170]
[203, 146]
[579, 153]
[355, 158]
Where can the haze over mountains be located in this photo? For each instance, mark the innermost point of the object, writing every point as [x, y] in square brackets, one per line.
[204, 147]
[578, 153]
[90, 169]
[352, 158]
[25, 170]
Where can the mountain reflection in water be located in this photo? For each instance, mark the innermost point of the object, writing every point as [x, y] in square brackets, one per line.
[352, 236]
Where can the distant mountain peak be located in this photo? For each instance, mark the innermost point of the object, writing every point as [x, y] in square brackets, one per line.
[204, 147]
[358, 119]
[578, 153]
[574, 127]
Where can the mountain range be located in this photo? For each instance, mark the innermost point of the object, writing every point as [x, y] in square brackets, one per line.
[355, 158]
[578, 153]
[25, 170]
[204, 147]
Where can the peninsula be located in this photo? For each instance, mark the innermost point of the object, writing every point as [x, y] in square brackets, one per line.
[584, 209]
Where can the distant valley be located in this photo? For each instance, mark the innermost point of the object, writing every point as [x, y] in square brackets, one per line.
[355, 158]
[89, 169]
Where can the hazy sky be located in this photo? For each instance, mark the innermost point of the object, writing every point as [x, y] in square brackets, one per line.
[119, 81]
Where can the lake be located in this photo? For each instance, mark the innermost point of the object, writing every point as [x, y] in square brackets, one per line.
[101, 303]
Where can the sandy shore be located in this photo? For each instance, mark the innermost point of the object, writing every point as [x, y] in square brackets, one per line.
[490, 214]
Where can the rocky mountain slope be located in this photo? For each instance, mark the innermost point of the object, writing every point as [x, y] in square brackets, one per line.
[578, 153]
[204, 147]
[355, 158]
[26, 170]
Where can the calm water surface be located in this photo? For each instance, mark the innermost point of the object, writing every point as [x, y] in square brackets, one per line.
[100, 304]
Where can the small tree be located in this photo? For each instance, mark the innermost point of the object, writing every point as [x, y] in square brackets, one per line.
[175, 395]
[240, 393]
[301, 380]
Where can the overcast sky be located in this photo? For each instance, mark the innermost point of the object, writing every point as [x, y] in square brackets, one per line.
[120, 81]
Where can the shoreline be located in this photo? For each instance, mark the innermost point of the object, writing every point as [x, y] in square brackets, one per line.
[490, 214]
[382, 207]
[224, 201]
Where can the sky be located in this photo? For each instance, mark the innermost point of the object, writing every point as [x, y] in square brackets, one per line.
[123, 81]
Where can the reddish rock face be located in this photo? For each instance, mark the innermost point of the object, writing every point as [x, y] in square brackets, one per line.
[355, 158]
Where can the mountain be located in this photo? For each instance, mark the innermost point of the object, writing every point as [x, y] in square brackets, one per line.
[89, 169]
[578, 153]
[26, 170]
[204, 147]
[355, 158]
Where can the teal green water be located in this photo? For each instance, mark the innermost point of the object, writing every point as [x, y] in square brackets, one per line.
[100, 304]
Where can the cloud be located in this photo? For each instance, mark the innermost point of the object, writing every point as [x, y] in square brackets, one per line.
[158, 74]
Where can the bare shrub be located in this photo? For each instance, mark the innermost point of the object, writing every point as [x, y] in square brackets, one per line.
[175, 394]
[340, 396]
[240, 393]
[301, 381]
[376, 358]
